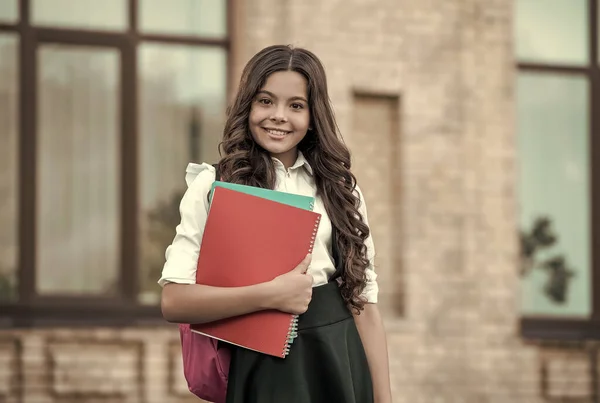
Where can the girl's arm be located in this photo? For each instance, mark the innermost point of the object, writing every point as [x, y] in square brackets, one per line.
[369, 323]
[372, 333]
[195, 303]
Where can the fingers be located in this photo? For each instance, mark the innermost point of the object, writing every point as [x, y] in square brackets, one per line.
[303, 266]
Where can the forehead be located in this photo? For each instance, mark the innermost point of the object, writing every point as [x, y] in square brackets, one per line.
[286, 84]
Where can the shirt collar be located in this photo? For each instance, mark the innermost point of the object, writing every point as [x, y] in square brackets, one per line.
[300, 162]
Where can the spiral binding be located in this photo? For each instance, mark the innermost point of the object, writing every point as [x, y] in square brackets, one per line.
[293, 329]
[292, 334]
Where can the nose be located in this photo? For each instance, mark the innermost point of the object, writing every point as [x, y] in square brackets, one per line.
[279, 116]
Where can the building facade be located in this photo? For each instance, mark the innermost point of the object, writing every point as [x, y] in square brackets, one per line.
[101, 111]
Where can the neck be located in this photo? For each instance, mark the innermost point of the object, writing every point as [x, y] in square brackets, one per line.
[288, 158]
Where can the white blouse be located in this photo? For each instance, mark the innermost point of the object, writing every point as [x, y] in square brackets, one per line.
[182, 254]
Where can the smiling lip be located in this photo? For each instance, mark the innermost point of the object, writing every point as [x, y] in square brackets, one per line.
[276, 132]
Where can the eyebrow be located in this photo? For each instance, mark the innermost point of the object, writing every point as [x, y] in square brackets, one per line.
[274, 96]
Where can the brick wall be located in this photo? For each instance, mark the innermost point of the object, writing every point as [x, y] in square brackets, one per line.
[434, 81]
[94, 365]
[451, 296]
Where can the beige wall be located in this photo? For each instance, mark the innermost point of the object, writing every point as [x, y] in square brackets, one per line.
[423, 92]
[448, 256]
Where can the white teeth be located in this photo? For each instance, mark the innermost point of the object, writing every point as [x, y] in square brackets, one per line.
[276, 132]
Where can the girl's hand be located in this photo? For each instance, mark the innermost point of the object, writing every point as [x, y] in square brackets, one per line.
[292, 291]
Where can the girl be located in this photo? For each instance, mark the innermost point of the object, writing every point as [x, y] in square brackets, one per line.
[281, 134]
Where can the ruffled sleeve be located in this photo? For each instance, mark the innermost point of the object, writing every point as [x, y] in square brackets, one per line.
[182, 254]
[371, 291]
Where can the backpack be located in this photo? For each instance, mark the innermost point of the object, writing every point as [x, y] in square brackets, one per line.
[206, 360]
[205, 365]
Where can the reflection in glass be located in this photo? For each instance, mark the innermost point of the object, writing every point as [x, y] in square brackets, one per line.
[9, 11]
[9, 72]
[554, 194]
[92, 14]
[552, 31]
[182, 104]
[78, 171]
[184, 17]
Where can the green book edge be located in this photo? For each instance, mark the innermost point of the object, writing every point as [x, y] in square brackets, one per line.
[299, 201]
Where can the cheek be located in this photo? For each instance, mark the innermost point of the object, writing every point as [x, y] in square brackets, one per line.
[252, 126]
[253, 118]
[302, 121]
[258, 114]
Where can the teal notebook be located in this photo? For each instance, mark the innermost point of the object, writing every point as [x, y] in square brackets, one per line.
[299, 201]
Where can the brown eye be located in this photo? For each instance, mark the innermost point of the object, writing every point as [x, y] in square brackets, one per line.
[265, 101]
[297, 106]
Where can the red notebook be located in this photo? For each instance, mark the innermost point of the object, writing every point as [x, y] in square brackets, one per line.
[249, 240]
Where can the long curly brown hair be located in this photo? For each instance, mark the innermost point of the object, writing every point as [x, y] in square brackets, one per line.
[245, 162]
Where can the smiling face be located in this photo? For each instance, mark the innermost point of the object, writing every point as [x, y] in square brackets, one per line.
[280, 116]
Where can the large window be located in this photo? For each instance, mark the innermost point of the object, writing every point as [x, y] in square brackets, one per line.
[558, 123]
[102, 107]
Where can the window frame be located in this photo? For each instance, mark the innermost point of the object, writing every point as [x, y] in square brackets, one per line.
[550, 328]
[31, 309]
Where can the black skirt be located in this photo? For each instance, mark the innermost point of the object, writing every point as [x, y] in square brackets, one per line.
[326, 363]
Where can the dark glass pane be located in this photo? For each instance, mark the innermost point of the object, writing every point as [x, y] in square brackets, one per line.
[552, 31]
[182, 106]
[92, 14]
[184, 17]
[9, 11]
[78, 214]
[9, 169]
[554, 194]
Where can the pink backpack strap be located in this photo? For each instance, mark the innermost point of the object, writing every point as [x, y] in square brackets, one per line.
[205, 365]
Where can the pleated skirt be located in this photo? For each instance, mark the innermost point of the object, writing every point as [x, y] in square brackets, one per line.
[326, 363]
